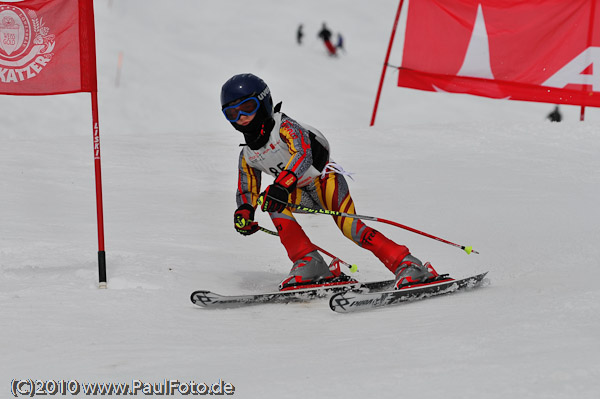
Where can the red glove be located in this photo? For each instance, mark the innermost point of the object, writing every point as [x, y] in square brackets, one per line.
[243, 220]
[275, 197]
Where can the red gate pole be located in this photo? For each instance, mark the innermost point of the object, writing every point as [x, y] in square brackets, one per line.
[99, 208]
[385, 63]
[589, 44]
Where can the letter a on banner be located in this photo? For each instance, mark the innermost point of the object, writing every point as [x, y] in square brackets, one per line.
[48, 47]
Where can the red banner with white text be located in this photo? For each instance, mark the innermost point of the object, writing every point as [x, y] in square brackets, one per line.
[47, 47]
[530, 50]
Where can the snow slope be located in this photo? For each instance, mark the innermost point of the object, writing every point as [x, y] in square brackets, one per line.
[492, 174]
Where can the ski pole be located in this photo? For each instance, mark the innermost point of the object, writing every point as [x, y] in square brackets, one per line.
[468, 249]
[353, 268]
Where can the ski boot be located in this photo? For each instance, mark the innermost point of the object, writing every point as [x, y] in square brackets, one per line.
[311, 270]
[411, 271]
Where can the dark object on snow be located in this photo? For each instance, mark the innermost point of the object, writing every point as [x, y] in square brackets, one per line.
[299, 34]
[555, 116]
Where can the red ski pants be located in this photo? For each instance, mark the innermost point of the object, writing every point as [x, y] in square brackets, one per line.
[331, 192]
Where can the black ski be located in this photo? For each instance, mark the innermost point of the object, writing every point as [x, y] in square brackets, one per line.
[355, 300]
[209, 299]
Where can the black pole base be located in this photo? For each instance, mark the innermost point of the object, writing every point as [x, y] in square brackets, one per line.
[102, 269]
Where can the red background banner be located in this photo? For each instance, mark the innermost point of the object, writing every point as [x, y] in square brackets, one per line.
[47, 47]
[533, 50]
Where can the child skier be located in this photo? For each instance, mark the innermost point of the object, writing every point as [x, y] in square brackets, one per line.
[297, 156]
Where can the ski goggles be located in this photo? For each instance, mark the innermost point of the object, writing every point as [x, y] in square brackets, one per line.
[247, 107]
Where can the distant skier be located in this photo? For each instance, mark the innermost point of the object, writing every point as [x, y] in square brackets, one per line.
[297, 156]
[555, 116]
[325, 35]
[339, 45]
[299, 34]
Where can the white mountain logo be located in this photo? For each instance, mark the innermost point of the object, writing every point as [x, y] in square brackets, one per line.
[575, 72]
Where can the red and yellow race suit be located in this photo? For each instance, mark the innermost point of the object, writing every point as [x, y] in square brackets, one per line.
[304, 151]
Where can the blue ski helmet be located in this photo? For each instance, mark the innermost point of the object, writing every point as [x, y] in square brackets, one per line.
[245, 85]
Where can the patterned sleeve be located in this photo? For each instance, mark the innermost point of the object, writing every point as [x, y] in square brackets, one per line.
[248, 188]
[298, 142]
